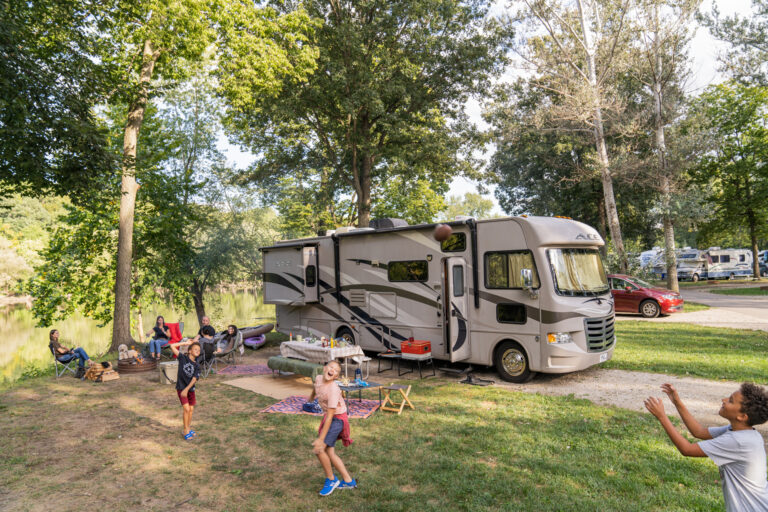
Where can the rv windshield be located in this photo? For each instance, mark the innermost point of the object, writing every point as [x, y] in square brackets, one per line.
[578, 272]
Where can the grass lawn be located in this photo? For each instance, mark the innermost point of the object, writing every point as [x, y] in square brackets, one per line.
[690, 307]
[740, 291]
[685, 349]
[119, 447]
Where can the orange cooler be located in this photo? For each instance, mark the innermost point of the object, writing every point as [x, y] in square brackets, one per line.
[415, 347]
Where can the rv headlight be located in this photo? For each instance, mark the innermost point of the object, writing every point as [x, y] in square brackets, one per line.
[559, 337]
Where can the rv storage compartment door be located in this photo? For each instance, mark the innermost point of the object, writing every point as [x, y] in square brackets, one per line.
[284, 276]
[310, 274]
[455, 308]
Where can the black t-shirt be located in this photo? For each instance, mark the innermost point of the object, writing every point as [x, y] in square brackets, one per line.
[187, 370]
[160, 334]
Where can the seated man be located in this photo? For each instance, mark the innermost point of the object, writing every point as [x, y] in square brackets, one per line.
[205, 322]
[64, 354]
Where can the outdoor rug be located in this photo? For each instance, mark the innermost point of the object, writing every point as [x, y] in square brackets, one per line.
[275, 387]
[292, 405]
[245, 369]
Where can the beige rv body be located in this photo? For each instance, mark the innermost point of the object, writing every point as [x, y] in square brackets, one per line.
[453, 305]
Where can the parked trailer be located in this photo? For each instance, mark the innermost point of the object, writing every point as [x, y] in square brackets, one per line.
[716, 263]
[524, 294]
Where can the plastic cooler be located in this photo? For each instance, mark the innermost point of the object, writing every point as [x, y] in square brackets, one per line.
[416, 347]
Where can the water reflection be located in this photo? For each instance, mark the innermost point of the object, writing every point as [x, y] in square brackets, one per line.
[24, 346]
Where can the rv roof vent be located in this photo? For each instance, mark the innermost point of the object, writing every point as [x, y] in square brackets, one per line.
[387, 223]
[463, 217]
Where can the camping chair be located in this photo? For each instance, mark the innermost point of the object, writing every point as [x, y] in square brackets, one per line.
[176, 330]
[230, 351]
[206, 364]
[66, 365]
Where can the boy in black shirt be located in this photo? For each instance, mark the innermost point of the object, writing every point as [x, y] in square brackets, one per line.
[189, 373]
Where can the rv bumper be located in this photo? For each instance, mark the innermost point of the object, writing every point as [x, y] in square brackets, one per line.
[571, 358]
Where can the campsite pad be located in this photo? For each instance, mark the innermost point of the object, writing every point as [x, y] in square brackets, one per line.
[276, 387]
[292, 405]
[245, 369]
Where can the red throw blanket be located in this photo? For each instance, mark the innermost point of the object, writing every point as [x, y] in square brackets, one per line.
[345, 433]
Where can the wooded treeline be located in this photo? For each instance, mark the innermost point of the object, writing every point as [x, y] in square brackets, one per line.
[356, 109]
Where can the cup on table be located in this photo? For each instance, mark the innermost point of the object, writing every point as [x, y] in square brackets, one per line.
[299, 338]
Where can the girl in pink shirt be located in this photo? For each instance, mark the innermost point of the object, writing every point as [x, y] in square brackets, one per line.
[334, 426]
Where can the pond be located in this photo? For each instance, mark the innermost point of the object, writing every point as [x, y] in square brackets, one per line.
[24, 347]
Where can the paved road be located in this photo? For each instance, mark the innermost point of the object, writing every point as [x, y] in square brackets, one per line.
[736, 311]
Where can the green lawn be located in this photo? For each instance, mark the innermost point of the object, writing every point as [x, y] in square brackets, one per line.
[684, 349]
[690, 307]
[464, 448]
[740, 291]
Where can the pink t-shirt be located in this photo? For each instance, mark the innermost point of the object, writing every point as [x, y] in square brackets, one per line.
[329, 395]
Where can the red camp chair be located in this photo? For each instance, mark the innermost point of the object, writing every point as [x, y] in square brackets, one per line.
[176, 330]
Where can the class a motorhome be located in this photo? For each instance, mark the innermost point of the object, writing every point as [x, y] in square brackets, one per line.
[714, 263]
[523, 294]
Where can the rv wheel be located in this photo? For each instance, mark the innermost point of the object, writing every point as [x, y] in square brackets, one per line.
[649, 309]
[346, 334]
[511, 362]
[695, 278]
[732, 276]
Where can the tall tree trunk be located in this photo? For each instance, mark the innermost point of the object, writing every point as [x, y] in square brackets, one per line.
[599, 131]
[670, 257]
[197, 299]
[364, 196]
[121, 325]
[752, 221]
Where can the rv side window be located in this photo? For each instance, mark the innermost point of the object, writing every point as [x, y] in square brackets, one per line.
[458, 281]
[417, 270]
[457, 242]
[742, 257]
[715, 259]
[725, 258]
[502, 269]
[510, 313]
[310, 276]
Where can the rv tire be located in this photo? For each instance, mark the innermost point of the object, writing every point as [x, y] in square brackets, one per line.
[732, 276]
[695, 278]
[512, 363]
[649, 309]
[347, 335]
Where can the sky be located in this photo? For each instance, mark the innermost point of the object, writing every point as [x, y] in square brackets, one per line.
[704, 52]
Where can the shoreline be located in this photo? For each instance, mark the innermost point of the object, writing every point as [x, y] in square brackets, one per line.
[12, 300]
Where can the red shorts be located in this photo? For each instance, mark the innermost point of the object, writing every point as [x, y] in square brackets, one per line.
[189, 399]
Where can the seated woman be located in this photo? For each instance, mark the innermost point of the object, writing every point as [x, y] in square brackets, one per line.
[64, 354]
[227, 341]
[161, 335]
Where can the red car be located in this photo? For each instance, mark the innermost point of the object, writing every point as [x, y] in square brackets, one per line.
[633, 295]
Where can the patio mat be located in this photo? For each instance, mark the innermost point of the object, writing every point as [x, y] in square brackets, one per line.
[245, 369]
[276, 387]
[292, 405]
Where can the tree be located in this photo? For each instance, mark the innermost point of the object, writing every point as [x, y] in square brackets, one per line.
[662, 68]
[747, 59]
[50, 80]
[578, 57]
[472, 205]
[736, 170]
[385, 101]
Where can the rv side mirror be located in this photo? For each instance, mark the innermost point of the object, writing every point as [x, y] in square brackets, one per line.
[527, 276]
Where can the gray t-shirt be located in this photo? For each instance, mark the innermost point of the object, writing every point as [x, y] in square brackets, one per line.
[740, 457]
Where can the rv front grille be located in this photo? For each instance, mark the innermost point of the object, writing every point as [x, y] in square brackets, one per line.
[357, 298]
[600, 333]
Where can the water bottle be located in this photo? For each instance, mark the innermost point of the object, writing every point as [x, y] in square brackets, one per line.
[358, 374]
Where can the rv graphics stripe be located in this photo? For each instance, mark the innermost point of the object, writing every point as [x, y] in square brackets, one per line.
[270, 277]
[461, 336]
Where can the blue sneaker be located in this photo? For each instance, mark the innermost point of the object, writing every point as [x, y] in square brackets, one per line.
[329, 486]
[348, 485]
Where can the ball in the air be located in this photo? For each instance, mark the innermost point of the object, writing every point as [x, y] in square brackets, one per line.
[442, 232]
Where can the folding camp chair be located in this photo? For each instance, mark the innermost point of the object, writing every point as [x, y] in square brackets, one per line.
[206, 363]
[66, 365]
[230, 351]
[176, 331]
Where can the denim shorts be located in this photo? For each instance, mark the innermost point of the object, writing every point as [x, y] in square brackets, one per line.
[333, 433]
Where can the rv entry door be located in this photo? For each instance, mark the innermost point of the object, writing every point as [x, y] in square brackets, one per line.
[456, 308]
[310, 273]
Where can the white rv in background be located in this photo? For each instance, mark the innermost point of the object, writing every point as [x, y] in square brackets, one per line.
[524, 294]
[715, 263]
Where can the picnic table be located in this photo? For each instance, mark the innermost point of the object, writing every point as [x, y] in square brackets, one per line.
[316, 353]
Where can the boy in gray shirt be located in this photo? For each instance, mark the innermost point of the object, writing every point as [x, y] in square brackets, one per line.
[737, 449]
